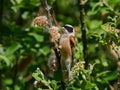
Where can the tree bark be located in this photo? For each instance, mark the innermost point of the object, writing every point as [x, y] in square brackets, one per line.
[83, 29]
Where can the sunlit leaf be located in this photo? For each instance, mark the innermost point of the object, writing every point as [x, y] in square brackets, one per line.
[38, 37]
[36, 76]
[8, 81]
[89, 85]
[25, 15]
[4, 58]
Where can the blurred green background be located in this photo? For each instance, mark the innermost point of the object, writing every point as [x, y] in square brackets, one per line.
[24, 47]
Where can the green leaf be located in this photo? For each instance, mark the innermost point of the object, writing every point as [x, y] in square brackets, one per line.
[25, 15]
[16, 7]
[36, 76]
[113, 2]
[54, 84]
[11, 50]
[111, 76]
[45, 50]
[38, 37]
[102, 73]
[89, 85]
[2, 57]
[8, 81]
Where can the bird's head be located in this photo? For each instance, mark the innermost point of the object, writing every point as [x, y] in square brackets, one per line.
[69, 29]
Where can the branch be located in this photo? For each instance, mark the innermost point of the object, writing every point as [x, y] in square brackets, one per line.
[82, 21]
[56, 50]
[45, 5]
[51, 14]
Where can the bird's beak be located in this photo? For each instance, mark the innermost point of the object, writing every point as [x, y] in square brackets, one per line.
[63, 28]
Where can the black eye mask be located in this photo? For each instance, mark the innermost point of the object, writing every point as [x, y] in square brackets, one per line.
[69, 29]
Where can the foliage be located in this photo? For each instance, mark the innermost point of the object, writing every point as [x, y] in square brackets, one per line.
[24, 47]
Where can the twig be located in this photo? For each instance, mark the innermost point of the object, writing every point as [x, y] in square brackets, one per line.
[82, 20]
[57, 53]
[48, 8]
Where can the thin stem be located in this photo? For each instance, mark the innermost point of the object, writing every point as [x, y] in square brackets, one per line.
[57, 53]
[48, 8]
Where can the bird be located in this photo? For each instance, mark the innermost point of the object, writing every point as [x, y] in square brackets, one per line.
[67, 45]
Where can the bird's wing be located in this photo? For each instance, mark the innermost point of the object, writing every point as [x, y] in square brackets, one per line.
[72, 42]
